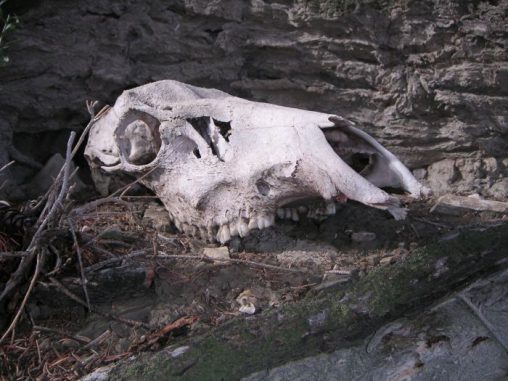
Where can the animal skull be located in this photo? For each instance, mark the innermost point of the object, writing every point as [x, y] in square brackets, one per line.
[223, 165]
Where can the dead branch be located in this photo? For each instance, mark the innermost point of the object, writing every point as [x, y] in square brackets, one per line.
[13, 254]
[111, 261]
[163, 255]
[80, 262]
[25, 299]
[7, 165]
[82, 210]
[35, 248]
[98, 340]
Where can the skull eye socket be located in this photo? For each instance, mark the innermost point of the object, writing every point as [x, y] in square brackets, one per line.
[140, 141]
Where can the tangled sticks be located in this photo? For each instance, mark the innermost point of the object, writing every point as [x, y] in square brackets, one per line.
[52, 219]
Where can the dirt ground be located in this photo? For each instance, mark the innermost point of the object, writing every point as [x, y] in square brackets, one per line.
[147, 284]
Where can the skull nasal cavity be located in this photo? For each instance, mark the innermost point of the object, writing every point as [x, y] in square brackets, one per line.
[263, 187]
[141, 142]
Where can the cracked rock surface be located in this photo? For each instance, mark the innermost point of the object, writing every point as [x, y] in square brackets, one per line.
[427, 78]
[447, 342]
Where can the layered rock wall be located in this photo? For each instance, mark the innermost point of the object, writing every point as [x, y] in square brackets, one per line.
[428, 78]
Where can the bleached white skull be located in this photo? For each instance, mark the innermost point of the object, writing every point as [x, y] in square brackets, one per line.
[223, 165]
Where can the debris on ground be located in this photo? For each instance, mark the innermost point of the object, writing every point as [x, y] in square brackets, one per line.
[137, 286]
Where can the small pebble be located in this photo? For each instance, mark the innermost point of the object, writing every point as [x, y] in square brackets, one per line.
[216, 252]
[387, 261]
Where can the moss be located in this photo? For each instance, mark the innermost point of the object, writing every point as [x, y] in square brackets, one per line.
[8, 23]
[402, 285]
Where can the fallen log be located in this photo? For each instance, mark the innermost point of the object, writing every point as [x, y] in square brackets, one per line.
[328, 320]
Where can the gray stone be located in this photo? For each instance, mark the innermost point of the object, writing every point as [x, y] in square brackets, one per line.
[47, 175]
[447, 342]
[157, 217]
[216, 252]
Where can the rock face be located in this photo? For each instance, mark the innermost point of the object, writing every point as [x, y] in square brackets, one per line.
[411, 349]
[428, 78]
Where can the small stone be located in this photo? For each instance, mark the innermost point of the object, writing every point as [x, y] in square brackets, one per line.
[247, 302]
[249, 309]
[157, 217]
[44, 179]
[420, 173]
[386, 261]
[216, 252]
[85, 229]
[363, 236]
[177, 352]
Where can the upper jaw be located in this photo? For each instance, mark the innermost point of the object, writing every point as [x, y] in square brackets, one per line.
[317, 143]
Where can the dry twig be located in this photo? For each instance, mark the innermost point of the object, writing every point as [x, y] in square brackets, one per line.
[110, 261]
[163, 255]
[52, 213]
[13, 254]
[12, 326]
[80, 262]
[7, 165]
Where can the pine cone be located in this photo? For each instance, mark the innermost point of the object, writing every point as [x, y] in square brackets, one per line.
[12, 221]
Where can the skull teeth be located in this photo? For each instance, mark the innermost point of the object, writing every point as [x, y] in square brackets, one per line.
[253, 224]
[221, 230]
[265, 221]
[233, 229]
[223, 234]
[243, 228]
[295, 214]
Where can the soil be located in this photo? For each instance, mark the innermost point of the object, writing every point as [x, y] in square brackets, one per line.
[148, 285]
